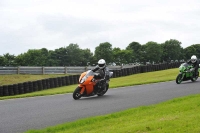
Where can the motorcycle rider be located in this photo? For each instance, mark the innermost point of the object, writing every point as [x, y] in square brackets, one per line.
[195, 62]
[103, 73]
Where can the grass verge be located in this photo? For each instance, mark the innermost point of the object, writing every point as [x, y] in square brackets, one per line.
[135, 79]
[174, 116]
[20, 78]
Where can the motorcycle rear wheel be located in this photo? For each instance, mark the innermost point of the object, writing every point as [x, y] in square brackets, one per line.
[76, 94]
[195, 78]
[179, 79]
[101, 93]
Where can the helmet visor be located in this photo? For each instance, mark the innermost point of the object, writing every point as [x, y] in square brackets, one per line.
[101, 65]
[193, 60]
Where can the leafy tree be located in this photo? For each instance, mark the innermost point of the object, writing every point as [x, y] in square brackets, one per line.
[59, 57]
[20, 61]
[2, 61]
[136, 50]
[52, 58]
[44, 53]
[74, 55]
[122, 56]
[142, 55]
[104, 51]
[153, 52]
[197, 50]
[171, 50]
[87, 57]
[189, 51]
[34, 57]
[9, 60]
[116, 56]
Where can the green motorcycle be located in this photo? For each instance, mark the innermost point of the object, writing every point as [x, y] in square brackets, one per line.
[186, 73]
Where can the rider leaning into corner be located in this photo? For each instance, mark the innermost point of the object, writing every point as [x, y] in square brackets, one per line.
[195, 62]
[103, 71]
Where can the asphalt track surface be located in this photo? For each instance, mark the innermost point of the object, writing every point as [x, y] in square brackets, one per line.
[20, 115]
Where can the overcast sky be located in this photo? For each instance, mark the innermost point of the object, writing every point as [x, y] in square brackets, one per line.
[52, 24]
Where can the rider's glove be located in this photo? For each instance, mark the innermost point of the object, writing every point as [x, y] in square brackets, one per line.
[93, 80]
[103, 81]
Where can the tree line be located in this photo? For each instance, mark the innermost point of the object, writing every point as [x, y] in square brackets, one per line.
[73, 55]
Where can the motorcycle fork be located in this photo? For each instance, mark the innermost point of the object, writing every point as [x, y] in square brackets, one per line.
[183, 74]
[82, 89]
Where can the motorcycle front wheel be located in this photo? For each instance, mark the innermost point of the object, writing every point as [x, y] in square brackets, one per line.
[76, 94]
[179, 79]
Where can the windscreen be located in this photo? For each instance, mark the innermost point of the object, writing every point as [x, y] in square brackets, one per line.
[185, 64]
[90, 73]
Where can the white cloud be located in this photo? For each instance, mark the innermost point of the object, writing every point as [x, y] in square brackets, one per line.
[51, 24]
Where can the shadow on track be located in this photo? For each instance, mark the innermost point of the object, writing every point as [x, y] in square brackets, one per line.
[95, 97]
[189, 82]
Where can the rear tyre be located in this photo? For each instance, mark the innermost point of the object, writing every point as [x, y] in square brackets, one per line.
[101, 93]
[179, 79]
[194, 78]
[76, 94]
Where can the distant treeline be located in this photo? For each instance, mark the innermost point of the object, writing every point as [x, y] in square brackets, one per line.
[73, 55]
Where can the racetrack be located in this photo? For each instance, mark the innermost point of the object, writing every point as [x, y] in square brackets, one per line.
[19, 115]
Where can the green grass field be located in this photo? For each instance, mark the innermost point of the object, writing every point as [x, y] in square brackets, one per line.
[180, 115]
[15, 78]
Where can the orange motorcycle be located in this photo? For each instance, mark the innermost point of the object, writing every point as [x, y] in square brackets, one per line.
[90, 85]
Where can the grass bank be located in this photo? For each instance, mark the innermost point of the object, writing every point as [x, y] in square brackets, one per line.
[135, 79]
[20, 78]
[174, 116]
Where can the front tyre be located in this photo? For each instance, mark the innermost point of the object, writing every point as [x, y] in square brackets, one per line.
[179, 79]
[76, 94]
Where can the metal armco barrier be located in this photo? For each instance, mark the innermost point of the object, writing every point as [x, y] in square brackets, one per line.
[49, 70]
[32, 86]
